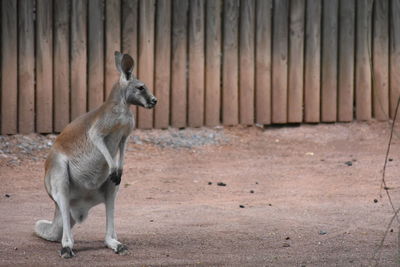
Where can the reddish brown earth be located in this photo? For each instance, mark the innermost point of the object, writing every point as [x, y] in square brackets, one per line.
[308, 207]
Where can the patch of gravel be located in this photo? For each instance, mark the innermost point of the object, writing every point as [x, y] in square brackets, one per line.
[25, 144]
[186, 138]
[13, 148]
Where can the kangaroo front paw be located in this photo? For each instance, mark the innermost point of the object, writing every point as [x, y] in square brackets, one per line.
[121, 249]
[67, 253]
[115, 176]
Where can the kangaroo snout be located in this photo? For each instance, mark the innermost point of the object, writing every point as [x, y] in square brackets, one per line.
[153, 102]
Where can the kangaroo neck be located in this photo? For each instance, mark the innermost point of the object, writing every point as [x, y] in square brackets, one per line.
[118, 95]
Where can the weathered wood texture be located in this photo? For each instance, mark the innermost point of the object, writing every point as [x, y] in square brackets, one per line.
[246, 62]
[394, 70]
[146, 56]
[312, 61]
[61, 65]
[196, 64]
[230, 64]
[162, 63]
[263, 61]
[9, 70]
[329, 60]
[213, 63]
[209, 62]
[347, 15]
[178, 64]
[78, 58]
[280, 46]
[296, 61]
[380, 58]
[363, 65]
[95, 53]
[26, 67]
[44, 66]
[113, 42]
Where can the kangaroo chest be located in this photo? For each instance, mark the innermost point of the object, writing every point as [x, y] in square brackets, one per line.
[90, 169]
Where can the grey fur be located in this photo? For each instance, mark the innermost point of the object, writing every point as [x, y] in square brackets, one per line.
[86, 154]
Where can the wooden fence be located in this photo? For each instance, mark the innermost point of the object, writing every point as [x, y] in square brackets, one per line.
[209, 62]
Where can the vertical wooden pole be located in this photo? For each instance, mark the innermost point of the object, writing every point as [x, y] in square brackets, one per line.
[312, 61]
[130, 22]
[9, 57]
[380, 57]
[196, 64]
[113, 42]
[146, 56]
[61, 64]
[44, 66]
[329, 60]
[26, 67]
[178, 64]
[296, 61]
[95, 54]
[280, 61]
[394, 55]
[247, 65]
[230, 70]
[213, 62]
[78, 58]
[263, 61]
[363, 67]
[130, 29]
[346, 59]
[162, 63]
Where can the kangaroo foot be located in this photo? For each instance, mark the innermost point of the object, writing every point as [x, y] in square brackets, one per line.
[121, 249]
[66, 253]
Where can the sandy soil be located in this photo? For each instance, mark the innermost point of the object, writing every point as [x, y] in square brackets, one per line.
[291, 199]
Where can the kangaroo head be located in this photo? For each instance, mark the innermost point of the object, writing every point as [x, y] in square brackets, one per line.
[134, 90]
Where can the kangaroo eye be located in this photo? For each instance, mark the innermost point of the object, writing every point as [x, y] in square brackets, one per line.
[141, 88]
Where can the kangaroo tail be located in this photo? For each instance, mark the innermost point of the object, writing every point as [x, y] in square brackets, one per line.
[47, 230]
[51, 231]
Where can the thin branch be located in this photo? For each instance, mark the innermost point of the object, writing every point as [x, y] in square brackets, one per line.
[377, 253]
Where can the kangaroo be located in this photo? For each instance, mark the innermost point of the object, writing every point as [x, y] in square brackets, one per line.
[83, 170]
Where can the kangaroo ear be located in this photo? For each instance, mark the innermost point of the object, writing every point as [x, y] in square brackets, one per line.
[124, 63]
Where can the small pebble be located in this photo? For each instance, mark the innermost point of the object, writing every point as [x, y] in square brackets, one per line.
[391, 230]
[241, 206]
[209, 183]
[256, 182]
[7, 195]
[375, 200]
[221, 184]
[252, 191]
[286, 245]
[349, 163]
[322, 232]
[15, 248]
[270, 204]
[151, 220]
[287, 238]
[390, 159]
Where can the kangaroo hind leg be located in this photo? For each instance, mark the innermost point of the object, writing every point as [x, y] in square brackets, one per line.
[60, 191]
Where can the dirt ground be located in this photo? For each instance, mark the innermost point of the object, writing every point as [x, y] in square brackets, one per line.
[294, 196]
